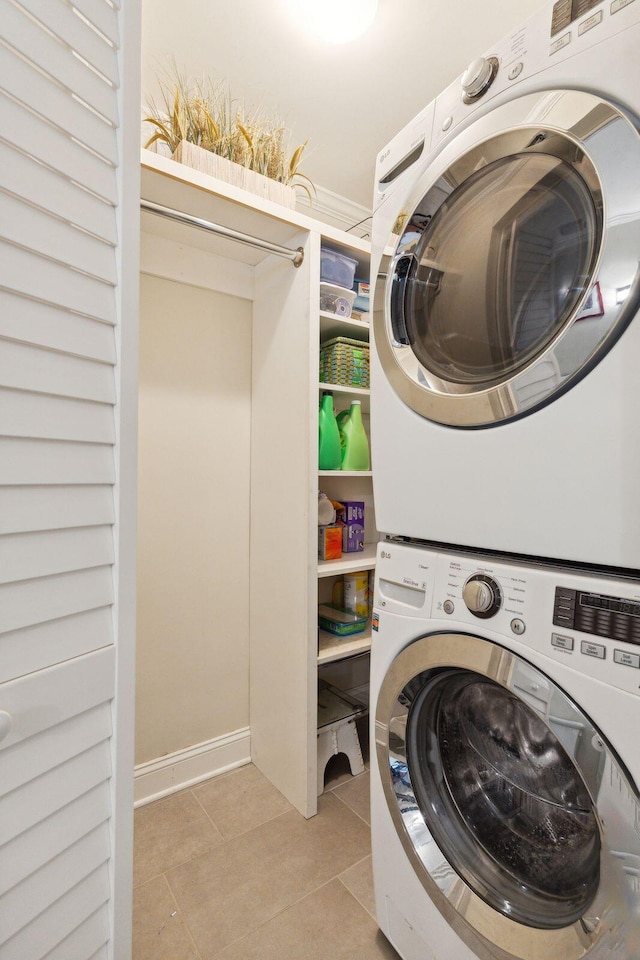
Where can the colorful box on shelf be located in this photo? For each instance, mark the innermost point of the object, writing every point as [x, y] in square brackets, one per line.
[330, 542]
[342, 623]
[345, 362]
[352, 518]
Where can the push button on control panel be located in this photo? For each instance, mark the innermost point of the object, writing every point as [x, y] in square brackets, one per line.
[627, 659]
[593, 649]
[562, 643]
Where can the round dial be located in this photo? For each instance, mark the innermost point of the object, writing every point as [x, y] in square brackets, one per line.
[478, 77]
[482, 595]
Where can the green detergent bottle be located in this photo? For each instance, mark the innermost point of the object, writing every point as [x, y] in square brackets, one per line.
[355, 446]
[329, 449]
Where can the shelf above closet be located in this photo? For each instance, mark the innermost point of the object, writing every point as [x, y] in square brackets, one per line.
[172, 184]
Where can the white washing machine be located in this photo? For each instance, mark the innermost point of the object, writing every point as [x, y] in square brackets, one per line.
[505, 816]
[506, 240]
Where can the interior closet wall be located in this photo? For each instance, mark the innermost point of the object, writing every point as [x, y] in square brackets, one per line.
[193, 536]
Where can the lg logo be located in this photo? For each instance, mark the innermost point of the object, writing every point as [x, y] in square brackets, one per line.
[385, 555]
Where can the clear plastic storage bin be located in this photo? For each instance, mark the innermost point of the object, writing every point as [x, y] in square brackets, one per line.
[337, 268]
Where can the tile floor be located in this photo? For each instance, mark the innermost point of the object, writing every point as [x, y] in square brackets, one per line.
[229, 870]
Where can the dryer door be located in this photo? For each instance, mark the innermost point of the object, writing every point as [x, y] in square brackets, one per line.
[517, 266]
[518, 817]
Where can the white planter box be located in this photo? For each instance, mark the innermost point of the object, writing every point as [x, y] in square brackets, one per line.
[223, 169]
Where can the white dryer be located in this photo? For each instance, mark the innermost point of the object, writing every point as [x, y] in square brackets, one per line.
[504, 780]
[506, 240]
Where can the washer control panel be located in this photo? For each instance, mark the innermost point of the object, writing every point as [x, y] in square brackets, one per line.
[601, 616]
[587, 620]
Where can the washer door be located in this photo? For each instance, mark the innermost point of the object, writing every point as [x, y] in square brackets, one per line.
[515, 813]
[516, 268]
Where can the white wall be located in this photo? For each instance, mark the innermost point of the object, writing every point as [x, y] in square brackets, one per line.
[194, 472]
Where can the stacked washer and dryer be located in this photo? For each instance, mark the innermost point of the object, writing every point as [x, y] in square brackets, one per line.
[505, 664]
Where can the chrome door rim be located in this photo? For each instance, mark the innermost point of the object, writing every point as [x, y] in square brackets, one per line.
[493, 138]
[614, 916]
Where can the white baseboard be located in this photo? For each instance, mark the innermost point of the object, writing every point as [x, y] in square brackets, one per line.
[159, 778]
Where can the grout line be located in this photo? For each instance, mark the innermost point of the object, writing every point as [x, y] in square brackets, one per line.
[354, 812]
[182, 917]
[279, 913]
[358, 901]
[209, 818]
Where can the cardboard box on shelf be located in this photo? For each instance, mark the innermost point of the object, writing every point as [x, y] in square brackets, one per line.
[330, 542]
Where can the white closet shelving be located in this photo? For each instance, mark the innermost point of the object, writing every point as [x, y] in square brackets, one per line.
[287, 328]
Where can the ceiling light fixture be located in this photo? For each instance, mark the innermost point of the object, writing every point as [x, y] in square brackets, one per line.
[337, 21]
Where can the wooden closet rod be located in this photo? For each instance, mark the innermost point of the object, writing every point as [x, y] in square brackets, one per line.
[296, 256]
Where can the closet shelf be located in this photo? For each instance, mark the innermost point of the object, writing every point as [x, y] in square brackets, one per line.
[333, 326]
[345, 473]
[331, 648]
[350, 562]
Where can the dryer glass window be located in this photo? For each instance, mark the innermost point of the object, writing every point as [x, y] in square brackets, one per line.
[503, 799]
[500, 267]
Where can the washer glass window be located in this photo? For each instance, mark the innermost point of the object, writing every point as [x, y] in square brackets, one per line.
[503, 799]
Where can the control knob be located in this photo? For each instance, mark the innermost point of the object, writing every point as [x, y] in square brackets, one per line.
[478, 77]
[482, 595]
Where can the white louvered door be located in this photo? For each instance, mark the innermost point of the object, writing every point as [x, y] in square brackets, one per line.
[69, 213]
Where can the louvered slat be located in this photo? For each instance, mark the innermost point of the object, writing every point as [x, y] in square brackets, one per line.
[51, 237]
[26, 806]
[26, 556]
[52, 147]
[53, 508]
[68, 690]
[69, 28]
[28, 603]
[36, 893]
[35, 276]
[28, 321]
[53, 193]
[56, 744]
[45, 840]
[87, 940]
[23, 81]
[102, 15]
[50, 461]
[43, 645]
[40, 371]
[52, 926]
[42, 49]
[55, 418]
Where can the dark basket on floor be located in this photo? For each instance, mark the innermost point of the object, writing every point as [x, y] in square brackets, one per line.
[345, 362]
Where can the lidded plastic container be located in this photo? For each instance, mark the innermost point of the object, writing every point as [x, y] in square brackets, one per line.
[337, 268]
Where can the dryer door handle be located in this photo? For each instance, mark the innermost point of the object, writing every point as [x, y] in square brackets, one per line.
[399, 286]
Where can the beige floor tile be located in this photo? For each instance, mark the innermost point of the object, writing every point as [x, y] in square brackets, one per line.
[168, 832]
[359, 880]
[240, 801]
[233, 889]
[159, 932]
[355, 793]
[328, 923]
